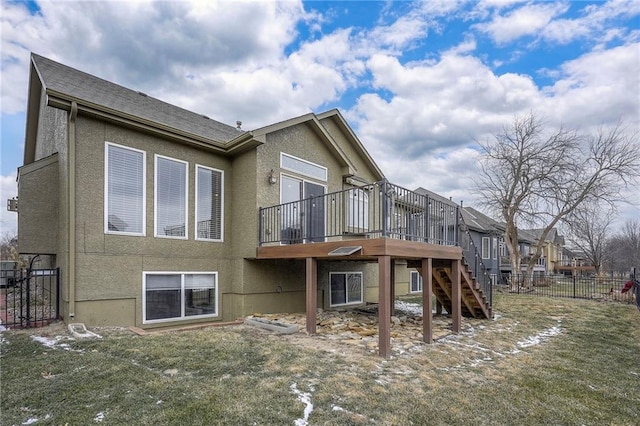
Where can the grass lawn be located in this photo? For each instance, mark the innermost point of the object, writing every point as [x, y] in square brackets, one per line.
[541, 361]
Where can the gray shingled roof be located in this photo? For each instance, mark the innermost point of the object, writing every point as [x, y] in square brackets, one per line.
[480, 221]
[86, 87]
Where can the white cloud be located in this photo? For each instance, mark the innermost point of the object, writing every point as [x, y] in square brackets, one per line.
[526, 20]
[598, 88]
[162, 48]
[447, 103]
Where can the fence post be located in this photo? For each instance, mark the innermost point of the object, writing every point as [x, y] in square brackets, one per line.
[574, 286]
[28, 296]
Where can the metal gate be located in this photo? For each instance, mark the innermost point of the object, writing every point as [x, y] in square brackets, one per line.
[29, 297]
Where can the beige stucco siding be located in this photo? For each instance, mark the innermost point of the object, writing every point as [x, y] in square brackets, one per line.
[38, 208]
[364, 171]
[109, 267]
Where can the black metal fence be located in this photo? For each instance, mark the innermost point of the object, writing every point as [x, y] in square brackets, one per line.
[29, 297]
[595, 288]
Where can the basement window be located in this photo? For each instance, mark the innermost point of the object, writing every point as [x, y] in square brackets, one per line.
[170, 296]
[416, 282]
[345, 288]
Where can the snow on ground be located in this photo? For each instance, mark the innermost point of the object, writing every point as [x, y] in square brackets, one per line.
[52, 343]
[540, 337]
[409, 308]
[33, 420]
[305, 398]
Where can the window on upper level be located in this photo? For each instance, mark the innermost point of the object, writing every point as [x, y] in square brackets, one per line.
[486, 242]
[358, 209]
[209, 204]
[125, 190]
[303, 167]
[171, 183]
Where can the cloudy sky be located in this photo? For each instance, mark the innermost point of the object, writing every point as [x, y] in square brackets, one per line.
[420, 82]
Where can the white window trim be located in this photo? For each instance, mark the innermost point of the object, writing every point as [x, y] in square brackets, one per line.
[155, 198]
[106, 191]
[482, 252]
[303, 180]
[221, 239]
[494, 248]
[326, 171]
[346, 290]
[420, 282]
[182, 315]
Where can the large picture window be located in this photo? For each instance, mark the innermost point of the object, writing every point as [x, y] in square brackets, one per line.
[416, 282]
[345, 288]
[209, 204]
[125, 192]
[169, 296]
[171, 185]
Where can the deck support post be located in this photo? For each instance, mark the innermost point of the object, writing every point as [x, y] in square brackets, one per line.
[384, 305]
[312, 293]
[427, 300]
[456, 296]
[392, 299]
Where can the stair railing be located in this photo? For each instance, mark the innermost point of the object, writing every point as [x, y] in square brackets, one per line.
[471, 255]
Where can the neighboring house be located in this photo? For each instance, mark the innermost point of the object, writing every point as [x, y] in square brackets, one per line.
[574, 262]
[488, 236]
[552, 249]
[158, 216]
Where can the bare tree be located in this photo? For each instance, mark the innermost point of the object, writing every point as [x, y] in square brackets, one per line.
[535, 177]
[9, 247]
[623, 249]
[588, 231]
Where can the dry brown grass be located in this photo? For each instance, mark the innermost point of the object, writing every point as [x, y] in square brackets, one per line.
[541, 361]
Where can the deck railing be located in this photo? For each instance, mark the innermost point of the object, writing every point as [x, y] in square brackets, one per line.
[375, 210]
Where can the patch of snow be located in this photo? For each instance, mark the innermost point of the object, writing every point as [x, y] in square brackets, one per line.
[305, 398]
[540, 337]
[336, 408]
[45, 341]
[35, 420]
[54, 343]
[99, 417]
[410, 308]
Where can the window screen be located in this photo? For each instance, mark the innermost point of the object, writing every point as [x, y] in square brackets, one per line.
[124, 190]
[171, 197]
[209, 203]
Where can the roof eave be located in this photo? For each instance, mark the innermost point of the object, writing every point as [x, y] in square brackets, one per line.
[62, 101]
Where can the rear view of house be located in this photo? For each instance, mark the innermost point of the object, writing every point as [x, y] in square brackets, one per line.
[159, 216]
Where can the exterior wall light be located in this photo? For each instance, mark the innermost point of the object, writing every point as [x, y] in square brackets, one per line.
[272, 178]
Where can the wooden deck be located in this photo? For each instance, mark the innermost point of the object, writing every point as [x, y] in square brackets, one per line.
[456, 289]
[372, 248]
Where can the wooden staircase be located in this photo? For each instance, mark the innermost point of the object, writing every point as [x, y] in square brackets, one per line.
[474, 303]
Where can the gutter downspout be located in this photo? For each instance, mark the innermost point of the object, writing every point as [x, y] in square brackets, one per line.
[71, 184]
